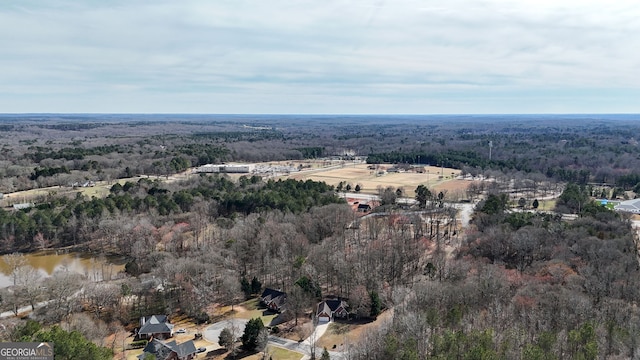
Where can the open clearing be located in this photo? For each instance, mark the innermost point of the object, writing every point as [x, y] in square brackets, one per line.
[370, 180]
[249, 310]
[435, 178]
[101, 189]
[340, 335]
[276, 353]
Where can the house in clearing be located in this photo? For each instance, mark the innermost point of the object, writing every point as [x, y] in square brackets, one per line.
[331, 309]
[155, 326]
[169, 351]
[368, 206]
[273, 299]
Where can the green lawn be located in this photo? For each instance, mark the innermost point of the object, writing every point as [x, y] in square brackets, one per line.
[337, 334]
[250, 314]
[252, 311]
[283, 354]
[276, 353]
[547, 205]
[97, 191]
[251, 304]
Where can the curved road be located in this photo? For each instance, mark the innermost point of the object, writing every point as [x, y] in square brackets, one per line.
[212, 333]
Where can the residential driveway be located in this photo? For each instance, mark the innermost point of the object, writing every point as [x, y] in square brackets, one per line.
[318, 332]
[304, 347]
[212, 333]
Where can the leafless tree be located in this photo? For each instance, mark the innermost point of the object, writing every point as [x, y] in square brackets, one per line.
[11, 300]
[525, 247]
[102, 297]
[62, 287]
[230, 291]
[29, 284]
[360, 301]
[298, 301]
[41, 241]
[15, 261]
[93, 329]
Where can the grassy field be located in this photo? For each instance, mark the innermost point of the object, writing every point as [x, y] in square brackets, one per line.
[370, 180]
[101, 189]
[283, 354]
[338, 335]
[547, 205]
[249, 310]
[276, 353]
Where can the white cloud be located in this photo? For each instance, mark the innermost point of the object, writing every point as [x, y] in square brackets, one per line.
[357, 56]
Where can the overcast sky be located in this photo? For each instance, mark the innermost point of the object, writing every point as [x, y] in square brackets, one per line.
[310, 56]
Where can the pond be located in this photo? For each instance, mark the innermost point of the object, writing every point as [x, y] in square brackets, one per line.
[93, 266]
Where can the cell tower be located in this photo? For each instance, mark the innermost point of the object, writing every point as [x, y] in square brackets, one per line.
[490, 147]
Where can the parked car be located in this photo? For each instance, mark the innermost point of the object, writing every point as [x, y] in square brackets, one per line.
[202, 349]
[181, 331]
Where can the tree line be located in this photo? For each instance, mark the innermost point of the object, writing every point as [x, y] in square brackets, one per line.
[69, 221]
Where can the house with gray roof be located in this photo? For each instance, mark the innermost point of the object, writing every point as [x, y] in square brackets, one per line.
[155, 326]
[631, 206]
[169, 351]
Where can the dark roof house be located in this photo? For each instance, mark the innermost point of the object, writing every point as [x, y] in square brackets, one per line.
[273, 299]
[156, 326]
[368, 206]
[330, 309]
[170, 350]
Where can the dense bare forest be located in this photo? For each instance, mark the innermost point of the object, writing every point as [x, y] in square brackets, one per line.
[516, 283]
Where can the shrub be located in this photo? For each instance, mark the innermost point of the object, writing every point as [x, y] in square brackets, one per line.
[201, 318]
[138, 344]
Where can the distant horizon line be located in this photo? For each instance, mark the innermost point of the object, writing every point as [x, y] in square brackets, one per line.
[315, 114]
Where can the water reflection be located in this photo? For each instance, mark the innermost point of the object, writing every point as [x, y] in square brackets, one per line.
[94, 267]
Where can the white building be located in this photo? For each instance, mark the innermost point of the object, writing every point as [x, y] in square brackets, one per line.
[632, 206]
[226, 168]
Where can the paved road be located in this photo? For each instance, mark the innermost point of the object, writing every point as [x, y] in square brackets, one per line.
[22, 310]
[27, 309]
[212, 333]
